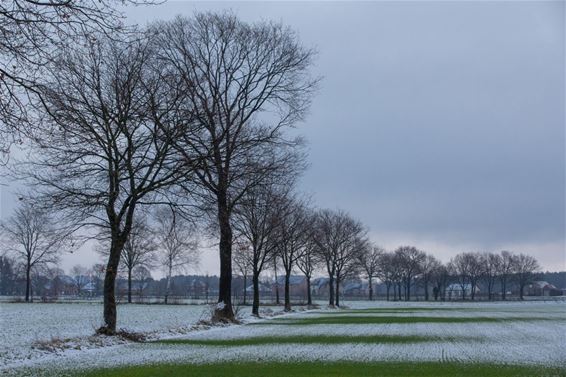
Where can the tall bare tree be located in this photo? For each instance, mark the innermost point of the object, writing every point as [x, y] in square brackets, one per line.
[370, 262]
[80, 275]
[177, 242]
[524, 266]
[410, 261]
[476, 271]
[309, 260]
[30, 236]
[255, 221]
[292, 238]
[247, 83]
[504, 270]
[491, 261]
[387, 272]
[469, 269]
[339, 239]
[30, 34]
[429, 267]
[105, 147]
[244, 261]
[142, 276]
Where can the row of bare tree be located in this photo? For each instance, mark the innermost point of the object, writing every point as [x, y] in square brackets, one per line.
[274, 227]
[188, 115]
[407, 266]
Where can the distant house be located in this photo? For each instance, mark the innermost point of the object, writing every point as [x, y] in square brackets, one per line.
[542, 288]
[319, 286]
[297, 285]
[89, 288]
[459, 291]
[354, 288]
[263, 289]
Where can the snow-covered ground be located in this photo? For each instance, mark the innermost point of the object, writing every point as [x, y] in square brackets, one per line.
[24, 326]
[525, 341]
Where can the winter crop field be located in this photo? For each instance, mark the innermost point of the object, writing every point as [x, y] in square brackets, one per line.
[364, 339]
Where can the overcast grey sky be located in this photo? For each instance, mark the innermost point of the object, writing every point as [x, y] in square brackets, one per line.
[438, 124]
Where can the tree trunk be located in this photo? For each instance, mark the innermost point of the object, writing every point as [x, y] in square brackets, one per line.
[245, 292]
[426, 290]
[168, 284]
[109, 327]
[331, 290]
[277, 301]
[387, 286]
[337, 291]
[28, 282]
[255, 304]
[129, 285]
[521, 288]
[503, 289]
[370, 290]
[287, 292]
[224, 311]
[473, 293]
[309, 296]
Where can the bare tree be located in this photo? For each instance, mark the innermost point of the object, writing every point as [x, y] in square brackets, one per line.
[523, 268]
[139, 250]
[275, 278]
[244, 261]
[504, 270]
[387, 271]
[30, 34]
[7, 274]
[371, 262]
[247, 83]
[80, 275]
[440, 277]
[429, 267]
[177, 242]
[105, 147]
[469, 268]
[410, 261]
[32, 239]
[142, 275]
[255, 221]
[459, 267]
[491, 263]
[339, 238]
[476, 271]
[292, 238]
[309, 260]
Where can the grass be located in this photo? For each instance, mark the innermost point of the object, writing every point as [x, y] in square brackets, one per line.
[347, 320]
[394, 310]
[399, 310]
[313, 339]
[328, 369]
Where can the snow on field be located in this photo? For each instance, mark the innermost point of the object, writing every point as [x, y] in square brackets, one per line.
[26, 324]
[521, 342]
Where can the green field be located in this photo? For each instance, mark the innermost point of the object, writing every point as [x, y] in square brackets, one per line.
[337, 369]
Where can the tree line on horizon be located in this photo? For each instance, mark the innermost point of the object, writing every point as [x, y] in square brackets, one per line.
[280, 234]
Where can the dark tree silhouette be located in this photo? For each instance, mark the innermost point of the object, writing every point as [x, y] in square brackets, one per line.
[104, 148]
[246, 83]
